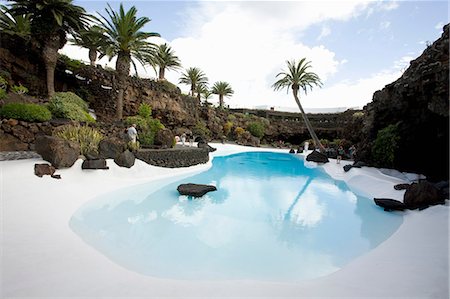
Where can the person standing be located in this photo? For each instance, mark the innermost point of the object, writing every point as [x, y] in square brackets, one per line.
[132, 133]
[183, 139]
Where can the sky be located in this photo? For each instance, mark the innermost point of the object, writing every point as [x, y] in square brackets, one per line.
[355, 47]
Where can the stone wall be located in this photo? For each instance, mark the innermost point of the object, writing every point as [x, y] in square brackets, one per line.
[173, 158]
[418, 103]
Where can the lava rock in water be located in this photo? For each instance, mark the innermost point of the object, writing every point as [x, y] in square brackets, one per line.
[195, 190]
[94, 164]
[422, 195]
[402, 186]
[203, 144]
[43, 169]
[315, 156]
[390, 204]
[125, 159]
[59, 152]
[291, 151]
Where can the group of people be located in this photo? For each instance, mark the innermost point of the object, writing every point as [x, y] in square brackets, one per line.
[341, 153]
[185, 137]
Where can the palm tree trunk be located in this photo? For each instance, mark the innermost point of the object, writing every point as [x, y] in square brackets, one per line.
[50, 56]
[162, 71]
[316, 140]
[192, 89]
[92, 56]
[220, 100]
[123, 70]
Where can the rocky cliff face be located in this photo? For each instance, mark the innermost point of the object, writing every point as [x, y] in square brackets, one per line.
[418, 102]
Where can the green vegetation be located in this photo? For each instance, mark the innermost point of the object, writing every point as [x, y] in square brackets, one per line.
[256, 129]
[201, 130]
[145, 110]
[223, 89]
[239, 131]
[88, 138]
[193, 76]
[70, 106]
[164, 58]
[146, 125]
[14, 25]
[298, 77]
[126, 41]
[71, 64]
[3, 83]
[92, 39]
[50, 22]
[133, 146]
[19, 89]
[386, 145]
[26, 112]
[227, 128]
[2, 94]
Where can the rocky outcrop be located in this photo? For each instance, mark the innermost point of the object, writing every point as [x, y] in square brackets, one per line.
[205, 145]
[125, 159]
[315, 156]
[248, 139]
[195, 190]
[418, 103]
[164, 138]
[422, 195]
[110, 148]
[175, 157]
[94, 164]
[43, 169]
[59, 152]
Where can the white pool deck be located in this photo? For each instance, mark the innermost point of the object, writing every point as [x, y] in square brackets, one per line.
[41, 257]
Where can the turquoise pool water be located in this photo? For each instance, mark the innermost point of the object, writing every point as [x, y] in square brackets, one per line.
[272, 218]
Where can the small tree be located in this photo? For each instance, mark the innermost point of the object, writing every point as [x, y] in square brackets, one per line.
[223, 89]
[193, 76]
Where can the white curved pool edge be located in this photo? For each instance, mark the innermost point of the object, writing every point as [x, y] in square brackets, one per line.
[42, 257]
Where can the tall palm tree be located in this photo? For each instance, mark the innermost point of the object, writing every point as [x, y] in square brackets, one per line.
[51, 21]
[164, 58]
[93, 39]
[193, 76]
[223, 89]
[298, 76]
[18, 25]
[127, 42]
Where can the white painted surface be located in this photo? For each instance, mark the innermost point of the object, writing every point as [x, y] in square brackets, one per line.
[42, 257]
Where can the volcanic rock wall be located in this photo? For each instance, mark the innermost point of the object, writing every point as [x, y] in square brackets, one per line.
[418, 102]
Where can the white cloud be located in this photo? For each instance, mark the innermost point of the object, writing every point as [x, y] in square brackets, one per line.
[385, 25]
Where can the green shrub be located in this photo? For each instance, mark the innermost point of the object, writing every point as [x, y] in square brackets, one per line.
[239, 131]
[2, 94]
[71, 64]
[147, 128]
[145, 110]
[133, 146]
[231, 117]
[227, 127]
[19, 89]
[70, 106]
[256, 129]
[201, 130]
[385, 146]
[26, 112]
[88, 138]
[3, 83]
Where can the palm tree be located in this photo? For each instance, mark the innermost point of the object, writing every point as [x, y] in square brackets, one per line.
[207, 94]
[223, 89]
[298, 77]
[164, 58]
[126, 41]
[200, 90]
[193, 76]
[50, 22]
[18, 25]
[93, 39]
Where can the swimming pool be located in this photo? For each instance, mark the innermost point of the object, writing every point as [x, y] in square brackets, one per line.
[272, 218]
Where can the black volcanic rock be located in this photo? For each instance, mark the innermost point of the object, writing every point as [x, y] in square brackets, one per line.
[195, 190]
[390, 204]
[315, 156]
